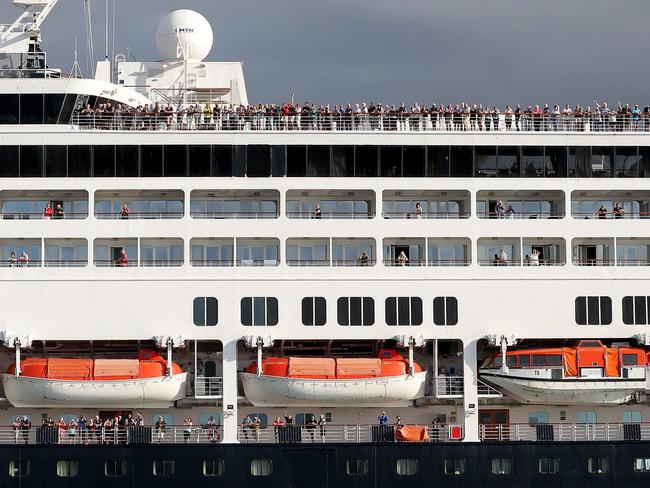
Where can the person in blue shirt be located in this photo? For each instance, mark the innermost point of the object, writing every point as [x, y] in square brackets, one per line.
[383, 419]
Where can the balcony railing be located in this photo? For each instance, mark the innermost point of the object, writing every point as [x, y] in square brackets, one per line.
[633, 262]
[208, 387]
[611, 215]
[258, 262]
[565, 432]
[426, 215]
[499, 262]
[331, 215]
[67, 263]
[330, 433]
[244, 120]
[174, 434]
[161, 263]
[454, 387]
[109, 263]
[212, 263]
[411, 262]
[138, 215]
[354, 262]
[234, 215]
[20, 264]
[449, 262]
[41, 216]
[521, 215]
[308, 262]
[593, 262]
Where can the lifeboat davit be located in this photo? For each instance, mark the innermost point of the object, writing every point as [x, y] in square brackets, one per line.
[384, 381]
[587, 374]
[95, 383]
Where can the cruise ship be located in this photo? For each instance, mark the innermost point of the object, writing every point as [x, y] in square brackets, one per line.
[202, 291]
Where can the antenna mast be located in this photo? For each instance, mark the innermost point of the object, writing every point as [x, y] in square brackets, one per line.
[75, 72]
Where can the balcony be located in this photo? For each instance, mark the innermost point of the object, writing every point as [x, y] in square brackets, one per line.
[145, 204]
[257, 251]
[20, 253]
[404, 251]
[499, 251]
[330, 204]
[520, 204]
[161, 252]
[44, 205]
[235, 204]
[449, 251]
[564, 432]
[308, 252]
[593, 251]
[350, 251]
[544, 251]
[632, 251]
[610, 205]
[427, 204]
[66, 253]
[108, 252]
[212, 252]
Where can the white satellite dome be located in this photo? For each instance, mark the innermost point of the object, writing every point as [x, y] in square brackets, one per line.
[184, 34]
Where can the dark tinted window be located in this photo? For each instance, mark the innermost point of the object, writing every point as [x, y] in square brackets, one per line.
[314, 311]
[296, 161]
[391, 161]
[239, 161]
[9, 161]
[460, 160]
[355, 311]
[9, 111]
[31, 109]
[205, 311]
[221, 162]
[258, 161]
[366, 160]
[53, 107]
[445, 311]
[126, 161]
[318, 161]
[438, 161]
[151, 161]
[103, 161]
[580, 162]
[56, 161]
[175, 158]
[278, 160]
[199, 160]
[31, 161]
[259, 311]
[593, 310]
[635, 310]
[79, 161]
[342, 161]
[403, 311]
[413, 162]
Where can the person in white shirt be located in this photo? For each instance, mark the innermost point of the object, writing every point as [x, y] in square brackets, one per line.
[534, 258]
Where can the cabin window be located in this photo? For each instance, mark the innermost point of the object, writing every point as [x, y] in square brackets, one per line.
[206, 311]
[454, 467]
[635, 310]
[539, 360]
[264, 419]
[356, 467]
[67, 469]
[355, 311]
[445, 311]
[598, 465]
[537, 418]
[302, 418]
[9, 109]
[259, 311]
[403, 311]
[630, 360]
[586, 417]
[314, 311]
[164, 468]
[642, 465]
[261, 467]
[511, 361]
[593, 310]
[524, 360]
[213, 468]
[501, 466]
[20, 468]
[631, 417]
[548, 465]
[553, 360]
[498, 361]
[407, 467]
[115, 468]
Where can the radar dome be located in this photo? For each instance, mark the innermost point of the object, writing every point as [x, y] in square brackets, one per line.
[184, 34]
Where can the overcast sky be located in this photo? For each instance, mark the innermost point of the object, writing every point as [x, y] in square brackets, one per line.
[339, 51]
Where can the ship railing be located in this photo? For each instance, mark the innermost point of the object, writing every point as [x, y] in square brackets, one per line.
[258, 262]
[354, 262]
[484, 390]
[138, 215]
[161, 263]
[520, 215]
[593, 262]
[234, 215]
[390, 122]
[212, 263]
[331, 215]
[208, 387]
[449, 386]
[110, 263]
[448, 262]
[611, 215]
[41, 216]
[633, 262]
[67, 263]
[308, 262]
[499, 262]
[410, 262]
[426, 215]
[602, 432]
[20, 264]
[145, 263]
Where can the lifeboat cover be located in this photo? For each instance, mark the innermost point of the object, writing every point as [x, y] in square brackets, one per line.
[117, 368]
[312, 368]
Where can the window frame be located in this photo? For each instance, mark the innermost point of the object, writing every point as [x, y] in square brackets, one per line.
[71, 468]
[206, 308]
[165, 464]
[315, 303]
[411, 466]
[366, 304]
[394, 307]
[262, 463]
[217, 463]
[361, 467]
[503, 465]
[454, 463]
[552, 465]
[271, 311]
[20, 468]
[602, 465]
[449, 311]
[115, 462]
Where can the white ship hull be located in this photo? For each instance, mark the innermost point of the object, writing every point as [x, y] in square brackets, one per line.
[610, 391]
[158, 392]
[389, 391]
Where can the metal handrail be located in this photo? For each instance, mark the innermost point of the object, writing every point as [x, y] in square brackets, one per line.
[448, 262]
[208, 386]
[331, 215]
[394, 263]
[354, 262]
[308, 262]
[41, 216]
[257, 262]
[67, 263]
[595, 215]
[426, 215]
[569, 432]
[234, 215]
[521, 215]
[494, 262]
[209, 263]
[593, 262]
[138, 215]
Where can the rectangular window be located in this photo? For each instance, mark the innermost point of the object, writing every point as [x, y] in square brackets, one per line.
[296, 161]
[355, 311]
[501, 466]
[403, 311]
[258, 161]
[31, 161]
[9, 161]
[175, 160]
[445, 311]
[67, 469]
[164, 468]
[548, 465]
[635, 310]
[535, 418]
[126, 161]
[632, 417]
[261, 467]
[213, 468]
[259, 311]
[356, 467]
[56, 161]
[454, 467]
[586, 417]
[206, 311]
[20, 468]
[115, 468]
[598, 465]
[407, 467]
[593, 310]
[642, 465]
[104, 161]
[314, 311]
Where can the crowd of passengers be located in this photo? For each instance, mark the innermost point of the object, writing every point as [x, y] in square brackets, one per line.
[111, 429]
[367, 116]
